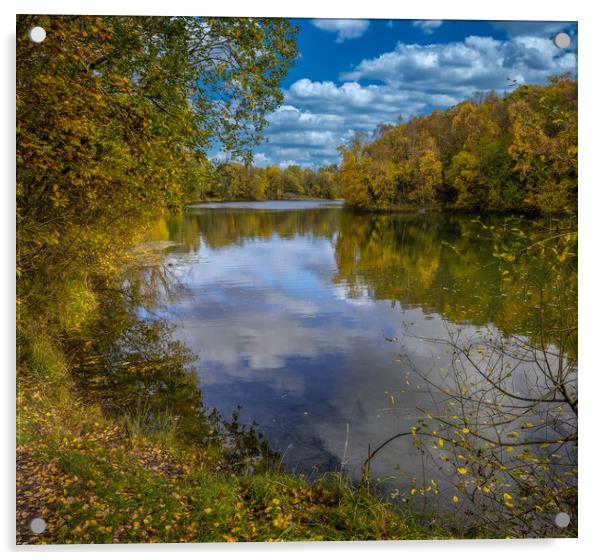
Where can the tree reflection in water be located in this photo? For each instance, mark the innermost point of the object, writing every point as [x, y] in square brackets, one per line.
[129, 363]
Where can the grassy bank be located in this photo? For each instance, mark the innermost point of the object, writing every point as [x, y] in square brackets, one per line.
[99, 480]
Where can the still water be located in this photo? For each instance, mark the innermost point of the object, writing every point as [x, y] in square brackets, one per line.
[315, 319]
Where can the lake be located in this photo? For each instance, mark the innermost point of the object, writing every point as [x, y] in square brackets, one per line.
[324, 324]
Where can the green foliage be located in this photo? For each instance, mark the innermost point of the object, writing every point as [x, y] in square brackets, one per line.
[429, 169]
[114, 118]
[517, 153]
[236, 181]
[353, 176]
[76, 304]
[464, 175]
[45, 362]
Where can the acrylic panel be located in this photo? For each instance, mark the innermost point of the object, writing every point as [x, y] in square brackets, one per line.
[295, 279]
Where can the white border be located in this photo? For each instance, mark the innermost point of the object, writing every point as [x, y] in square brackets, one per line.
[589, 220]
[434, 9]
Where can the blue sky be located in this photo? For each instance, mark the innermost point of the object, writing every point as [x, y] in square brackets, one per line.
[354, 74]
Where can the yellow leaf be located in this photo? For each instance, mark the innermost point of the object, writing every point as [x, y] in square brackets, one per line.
[455, 499]
[462, 470]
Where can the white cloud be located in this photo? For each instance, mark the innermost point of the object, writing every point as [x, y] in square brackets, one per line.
[319, 116]
[287, 163]
[461, 68]
[368, 102]
[428, 26]
[344, 28]
[329, 117]
[531, 28]
[261, 160]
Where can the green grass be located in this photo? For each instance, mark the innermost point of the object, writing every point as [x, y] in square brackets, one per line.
[97, 480]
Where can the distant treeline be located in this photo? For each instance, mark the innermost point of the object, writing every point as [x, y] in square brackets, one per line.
[516, 153]
[235, 181]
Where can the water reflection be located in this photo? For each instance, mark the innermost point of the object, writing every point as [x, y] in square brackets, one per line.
[292, 311]
[129, 362]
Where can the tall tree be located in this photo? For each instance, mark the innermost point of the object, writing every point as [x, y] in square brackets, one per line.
[114, 119]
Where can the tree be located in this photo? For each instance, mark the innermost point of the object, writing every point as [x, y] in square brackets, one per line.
[114, 119]
[430, 178]
[258, 186]
[292, 180]
[352, 174]
[544, 144]
[273, 177]
[464, 174]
